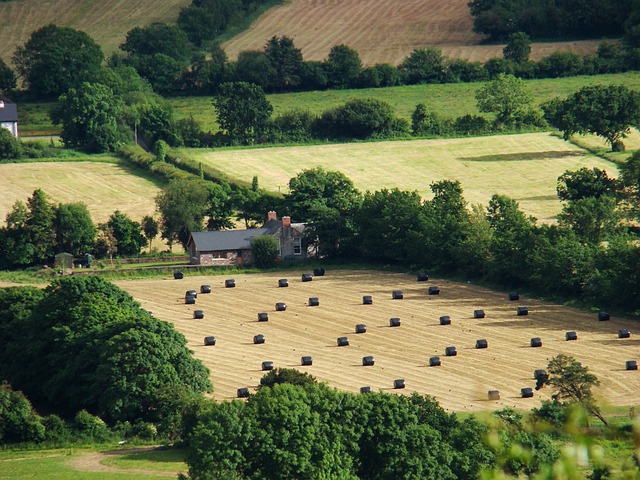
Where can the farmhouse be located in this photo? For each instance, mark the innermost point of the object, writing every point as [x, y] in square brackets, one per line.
[9, 116]
[233, 247]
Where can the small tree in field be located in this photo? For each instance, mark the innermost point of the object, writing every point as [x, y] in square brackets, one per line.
[572, 383]
[507, 97]
[265, 250]
[150, 228]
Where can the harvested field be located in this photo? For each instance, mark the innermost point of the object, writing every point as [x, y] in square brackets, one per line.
[525, 167]
[382, 31]
[103, 187]
[460, 384]
[107, 21]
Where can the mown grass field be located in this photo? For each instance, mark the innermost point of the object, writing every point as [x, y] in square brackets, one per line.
[524, 167]
[382, 31]
[449, 100]
[83, 464]
[107, 21]
[104, 186]
[460, 384]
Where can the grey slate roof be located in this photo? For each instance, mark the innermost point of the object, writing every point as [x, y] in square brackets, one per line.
[226, 239]
[9, 113]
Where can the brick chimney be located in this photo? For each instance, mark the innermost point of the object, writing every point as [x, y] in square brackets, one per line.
[286, 222]
[272, 215]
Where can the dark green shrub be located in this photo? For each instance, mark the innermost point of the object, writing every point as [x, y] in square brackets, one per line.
[359, 119]
[287, 375]
[471, 125]
[89, 426]
[10, 146]
[265, 250]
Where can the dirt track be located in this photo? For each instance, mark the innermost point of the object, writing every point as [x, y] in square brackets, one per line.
[460, 384]
[92, 462]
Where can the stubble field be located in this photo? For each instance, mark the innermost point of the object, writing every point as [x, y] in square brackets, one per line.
[525, 167]
[103, 187]
[460, 384]
[382, 31]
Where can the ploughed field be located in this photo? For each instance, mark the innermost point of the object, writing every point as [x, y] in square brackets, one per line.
[461, 383]
[382, 31]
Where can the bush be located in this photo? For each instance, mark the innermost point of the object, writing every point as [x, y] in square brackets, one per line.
[89, 426]
[287, 375]
[552, 412]
[292, 126]
[472, 125]
[359, 119]
[265, 250]
[18, 422]
[10, 146]
[55, 429]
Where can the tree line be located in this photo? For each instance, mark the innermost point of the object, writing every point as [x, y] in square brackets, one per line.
[556, 19]
[163, 55]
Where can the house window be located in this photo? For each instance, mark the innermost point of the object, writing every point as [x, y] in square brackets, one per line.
[297, 246]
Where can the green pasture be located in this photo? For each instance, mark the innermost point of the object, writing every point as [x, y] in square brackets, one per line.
[88, 464]
[449, 100]
[525, 167]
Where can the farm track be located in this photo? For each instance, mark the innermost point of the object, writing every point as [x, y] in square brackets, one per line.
[461, 384]
[382, 31]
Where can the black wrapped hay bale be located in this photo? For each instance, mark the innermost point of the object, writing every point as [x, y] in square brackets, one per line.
[367, 300]
[263, 317]
[368, 361]
[208, 341]
[631, 365]
[603, 316]
[482, 343]
[536, 342]
[307, 277]
[624, 333]
[494, 395]
[258, 339]
[306, 361]
[178, 275]
[478, 314]
[283, 282]
[521, 311]
[571, 336]
[538, 374]
[314, 301]
[243, 392]
[361, 328]
[191, 293]
[423, 277]
[435, 362]
[445, 320]
[229, 283]
[205, 288]
[189, 300]
[450, 351]
[365, 389]
[434, 290]
[513, 296]
[199, 314]
[394, 322]
[281, 307]
[343, 342]
[318, 272]
[397, 295]
[267, 365]
[398, 383]
[526, 392]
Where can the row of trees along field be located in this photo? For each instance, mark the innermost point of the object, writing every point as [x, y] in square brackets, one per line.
[163, 55]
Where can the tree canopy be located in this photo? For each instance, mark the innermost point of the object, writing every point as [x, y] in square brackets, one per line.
[55, 59]
[243, 111]
[507, 97]
[607, 111]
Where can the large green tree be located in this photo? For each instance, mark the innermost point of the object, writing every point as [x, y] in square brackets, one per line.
[40, 225]
[343, 66]
[608, 111]
[518, 47]
[183, 205]
[127, 233]
[286, 61]
[89, 116]
[509, 98]
[587, 182]
[243, 111]
[55, 59]
[157, 38]
[8, 79]
[424, 65]
[75, 231]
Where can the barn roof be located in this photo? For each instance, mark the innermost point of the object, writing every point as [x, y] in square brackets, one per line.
[225, 240]
[8, 113]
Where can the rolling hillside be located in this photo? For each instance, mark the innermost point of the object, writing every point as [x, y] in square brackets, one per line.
[107, 21]
[380, 30]
[524, 167]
